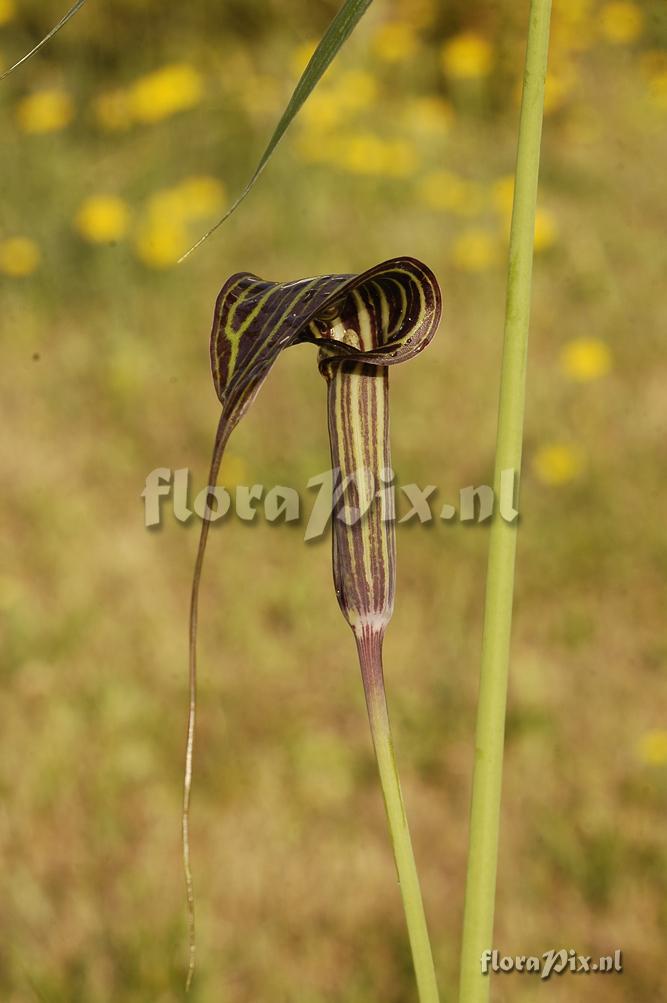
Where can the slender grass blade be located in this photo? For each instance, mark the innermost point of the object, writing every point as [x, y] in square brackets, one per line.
[333, 39]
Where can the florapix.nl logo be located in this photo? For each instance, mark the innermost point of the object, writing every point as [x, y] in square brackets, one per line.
[325, 496]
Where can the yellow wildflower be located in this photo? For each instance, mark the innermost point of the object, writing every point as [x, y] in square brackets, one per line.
[45, 111]
[301, 56]
[162, 234]
[328, 107]
[502, 194]
[19, 256]
[585, 359]
[467, 56]
[356, 90]
[572, 26]
[233, 471]
[165, 92]
[102, 219]
[621, 22]
[400, 159]
[7, 11]
[361, 153]
[112, 110]
[652, 747]
[658, 89]
[560, 82]
[200, 196]
[475, 250]
[450, 193]
[395, 42]
[654, 67]
[322, 110]
[546, 230]
[502, 198]
[557, 464]
[159, 243]
[420, 13]
[191, 199]
[430, 114]
[165, 204]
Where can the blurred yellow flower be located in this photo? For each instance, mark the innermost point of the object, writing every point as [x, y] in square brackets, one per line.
[356, 89]
[546, 227]
[19, 256]
[546, 230]
[449, 192]
[400, 159]
[621, 22]
[557, 464]
[429, 114]
[191, 199]
[367, 153]
[162, 235]
[329, 106]
[159, 243]
[572, 27]
[45, 111]
[201, 195]
[7, 10]
[467, 56]
[233, 470]
[102, 219]
[475, 250]
[301, 57]
[112, 110]
[658, 89]
[652, 747]
[502, 194]
[165, 92]
[419, 13]
[654, 67]
[585, 359]
[361, 153]
[560, 82]
[322, 110]
[395, 42]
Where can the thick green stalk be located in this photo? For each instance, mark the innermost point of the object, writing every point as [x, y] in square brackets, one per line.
[487, 775]
[369, 643]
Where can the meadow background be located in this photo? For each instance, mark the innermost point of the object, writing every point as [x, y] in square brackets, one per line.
[124, 139]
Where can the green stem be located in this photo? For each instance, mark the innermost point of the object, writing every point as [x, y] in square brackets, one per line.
[487, 775]
[369, 644]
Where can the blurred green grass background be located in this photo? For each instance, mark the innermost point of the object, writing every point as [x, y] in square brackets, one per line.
[122, 141]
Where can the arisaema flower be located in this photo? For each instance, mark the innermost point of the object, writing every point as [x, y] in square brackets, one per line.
[362, 325]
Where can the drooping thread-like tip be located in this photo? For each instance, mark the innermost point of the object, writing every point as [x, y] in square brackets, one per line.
[233, 207]
[54, 31]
